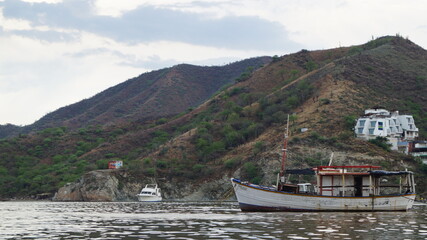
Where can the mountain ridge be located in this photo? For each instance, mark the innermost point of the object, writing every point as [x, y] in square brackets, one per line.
[239, 131]
[160, 93]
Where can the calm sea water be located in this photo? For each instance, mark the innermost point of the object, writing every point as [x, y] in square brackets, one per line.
[197, 220]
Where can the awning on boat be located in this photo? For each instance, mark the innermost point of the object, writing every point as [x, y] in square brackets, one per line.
[306, 171]
[380, 173]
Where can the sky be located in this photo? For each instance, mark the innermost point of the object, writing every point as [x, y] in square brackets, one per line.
[57, 52]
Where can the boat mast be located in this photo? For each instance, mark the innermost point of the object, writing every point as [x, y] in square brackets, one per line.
[284, 156]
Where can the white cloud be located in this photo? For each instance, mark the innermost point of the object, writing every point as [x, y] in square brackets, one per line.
[115, 8]
[13, 24]
[42, 1]
[332, 23]
[63, 53]
[39, 77]
[43, 76]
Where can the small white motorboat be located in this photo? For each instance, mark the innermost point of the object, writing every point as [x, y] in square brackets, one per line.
[150, 193]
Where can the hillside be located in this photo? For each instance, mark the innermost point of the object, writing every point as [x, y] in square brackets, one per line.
[238, 132]
[157, 94]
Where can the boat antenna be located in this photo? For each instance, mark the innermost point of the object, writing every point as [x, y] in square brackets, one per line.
[284, 155]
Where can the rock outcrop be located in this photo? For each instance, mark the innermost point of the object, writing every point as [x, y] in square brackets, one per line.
[101, 185]
[120, 185]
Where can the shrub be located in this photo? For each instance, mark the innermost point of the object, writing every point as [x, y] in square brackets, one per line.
[325, 101]
[355, 50]
[252, 172]
[110, 155]
[292, 101]
[146, 161]
[345, 135]
[310, 66]
[231, 163]
[161, 121]
[258, 147]
[150, 171]
[232, 138]
[235, 91]
[197, 168]
[102, 164]
[381, 142]
[350, 121]
[279, 117]
[161, 164]
[275, 58]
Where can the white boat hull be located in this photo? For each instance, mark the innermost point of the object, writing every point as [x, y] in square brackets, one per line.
[144, 198]
[258, 198]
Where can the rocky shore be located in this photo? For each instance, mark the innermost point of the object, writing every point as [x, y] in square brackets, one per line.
[119, 185]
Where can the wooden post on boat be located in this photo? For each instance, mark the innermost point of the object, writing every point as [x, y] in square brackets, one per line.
[343, 183]
[285, 149]
[373, 189]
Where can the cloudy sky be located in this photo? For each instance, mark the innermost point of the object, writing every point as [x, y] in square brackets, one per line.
[57, 52]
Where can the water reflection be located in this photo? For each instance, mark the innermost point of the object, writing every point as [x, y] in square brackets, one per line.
[197, 220]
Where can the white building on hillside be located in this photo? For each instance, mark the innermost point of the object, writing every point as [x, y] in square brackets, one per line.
[379, 122]
[419, 149]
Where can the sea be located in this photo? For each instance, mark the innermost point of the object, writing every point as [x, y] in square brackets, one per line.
[198, 220]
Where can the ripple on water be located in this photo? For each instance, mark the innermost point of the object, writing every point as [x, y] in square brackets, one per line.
[198, 220]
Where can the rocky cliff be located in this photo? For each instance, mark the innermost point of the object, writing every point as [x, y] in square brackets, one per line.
[119, 185]
[101, 185]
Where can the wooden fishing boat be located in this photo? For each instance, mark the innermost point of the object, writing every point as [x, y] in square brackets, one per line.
[336, 188]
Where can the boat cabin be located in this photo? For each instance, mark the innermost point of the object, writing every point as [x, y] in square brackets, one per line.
[150, 189]
[355, 181]
[362, 181]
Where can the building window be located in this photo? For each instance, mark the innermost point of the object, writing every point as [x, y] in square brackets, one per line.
[380, 126]
[371, 131]
[360, 130]
[362, 123]
[373, 123]
[410, 126]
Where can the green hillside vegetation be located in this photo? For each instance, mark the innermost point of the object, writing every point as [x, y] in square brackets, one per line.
[240, 129]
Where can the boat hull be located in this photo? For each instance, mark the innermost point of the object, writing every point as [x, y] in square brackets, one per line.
[144, 198]
[258, 198]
